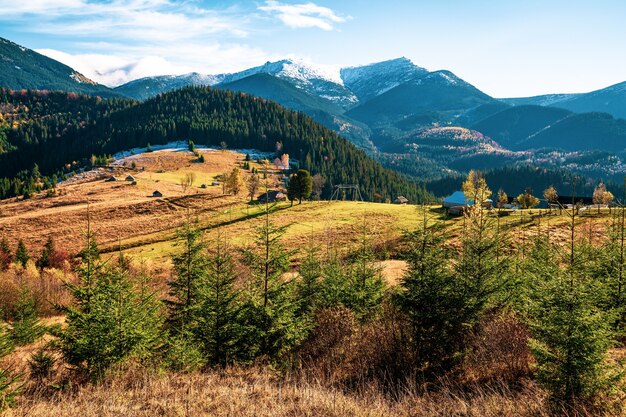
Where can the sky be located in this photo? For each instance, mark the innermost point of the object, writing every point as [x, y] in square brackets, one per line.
[506, 48]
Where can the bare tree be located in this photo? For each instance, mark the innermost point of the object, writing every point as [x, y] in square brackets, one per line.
[253, 185]
[187, 180]
[317, 185]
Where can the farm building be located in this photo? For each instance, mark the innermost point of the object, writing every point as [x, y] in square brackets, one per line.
[272, 196]
[401, 200]
[130, 178]
[111, 179]
[203, 186]
[157, 194]
[215, 183]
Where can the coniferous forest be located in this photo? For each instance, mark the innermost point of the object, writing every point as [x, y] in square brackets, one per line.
[60, 131]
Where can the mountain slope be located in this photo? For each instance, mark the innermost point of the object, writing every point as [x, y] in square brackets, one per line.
[22, 68]
[145, 88]
[512, 126]
[439, 91]
[610, 100]
[369, 81]
[582, 132]
[321, 110]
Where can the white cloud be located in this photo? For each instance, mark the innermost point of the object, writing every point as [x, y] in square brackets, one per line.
[303, 15]
[128, 20]
[133, 62]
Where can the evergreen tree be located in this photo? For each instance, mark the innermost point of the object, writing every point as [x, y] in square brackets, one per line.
[118, 322]
[21, 254]
[366, 286]
[300, 186]
[9, 382]
[184, 290]
[571, 333]
[46, 254]
[480, 270]
[271, 309]
[26, 327]
[221, 329]
[432, 300]
[6, 257]
[309, 284]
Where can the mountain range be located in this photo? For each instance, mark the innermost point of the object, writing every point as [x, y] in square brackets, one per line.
[394, 110]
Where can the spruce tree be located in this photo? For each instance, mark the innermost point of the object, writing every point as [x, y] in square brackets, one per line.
[184, 289]
[571, 332]
[220, 328]
[480, 269]
[272, 308]
[366, 286]
[21, 254]
[119, 322]
[46, 254]
[26, 327]
[6, 257]
[432, 299]
[9, 382]
[309, 283]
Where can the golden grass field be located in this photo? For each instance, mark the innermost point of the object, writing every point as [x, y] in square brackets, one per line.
[127, 217]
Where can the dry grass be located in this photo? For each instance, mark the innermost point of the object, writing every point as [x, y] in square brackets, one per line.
[257, 393]
[47, 288]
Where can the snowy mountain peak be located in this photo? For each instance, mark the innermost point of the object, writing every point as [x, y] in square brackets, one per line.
[445, 77]
[370, 80]
[294, 69]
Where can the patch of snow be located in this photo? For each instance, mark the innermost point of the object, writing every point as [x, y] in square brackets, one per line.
[183, 146]
[76, 77]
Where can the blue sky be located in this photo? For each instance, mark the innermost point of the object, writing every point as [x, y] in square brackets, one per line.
[506, 48]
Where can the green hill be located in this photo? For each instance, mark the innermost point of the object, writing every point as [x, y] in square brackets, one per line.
[205, 115]
[582, 132]
[513, 126]
[22, 68]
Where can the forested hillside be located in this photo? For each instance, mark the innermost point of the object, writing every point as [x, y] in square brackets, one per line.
[54, 129]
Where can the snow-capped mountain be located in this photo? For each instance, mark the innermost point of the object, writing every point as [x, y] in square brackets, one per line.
[145, 88]
[308, 78]
[369, 81]
[312, 80]
[610, 100]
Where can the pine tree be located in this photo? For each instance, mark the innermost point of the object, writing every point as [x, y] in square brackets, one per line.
[6, 257]
[46, 254]
[432, 300]
[220, 328]
[119, 322]
[9, 382]
[271, 309]
[26, 327]
[184, 289]
[571, 332]
[21, 254]
[309, 284]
